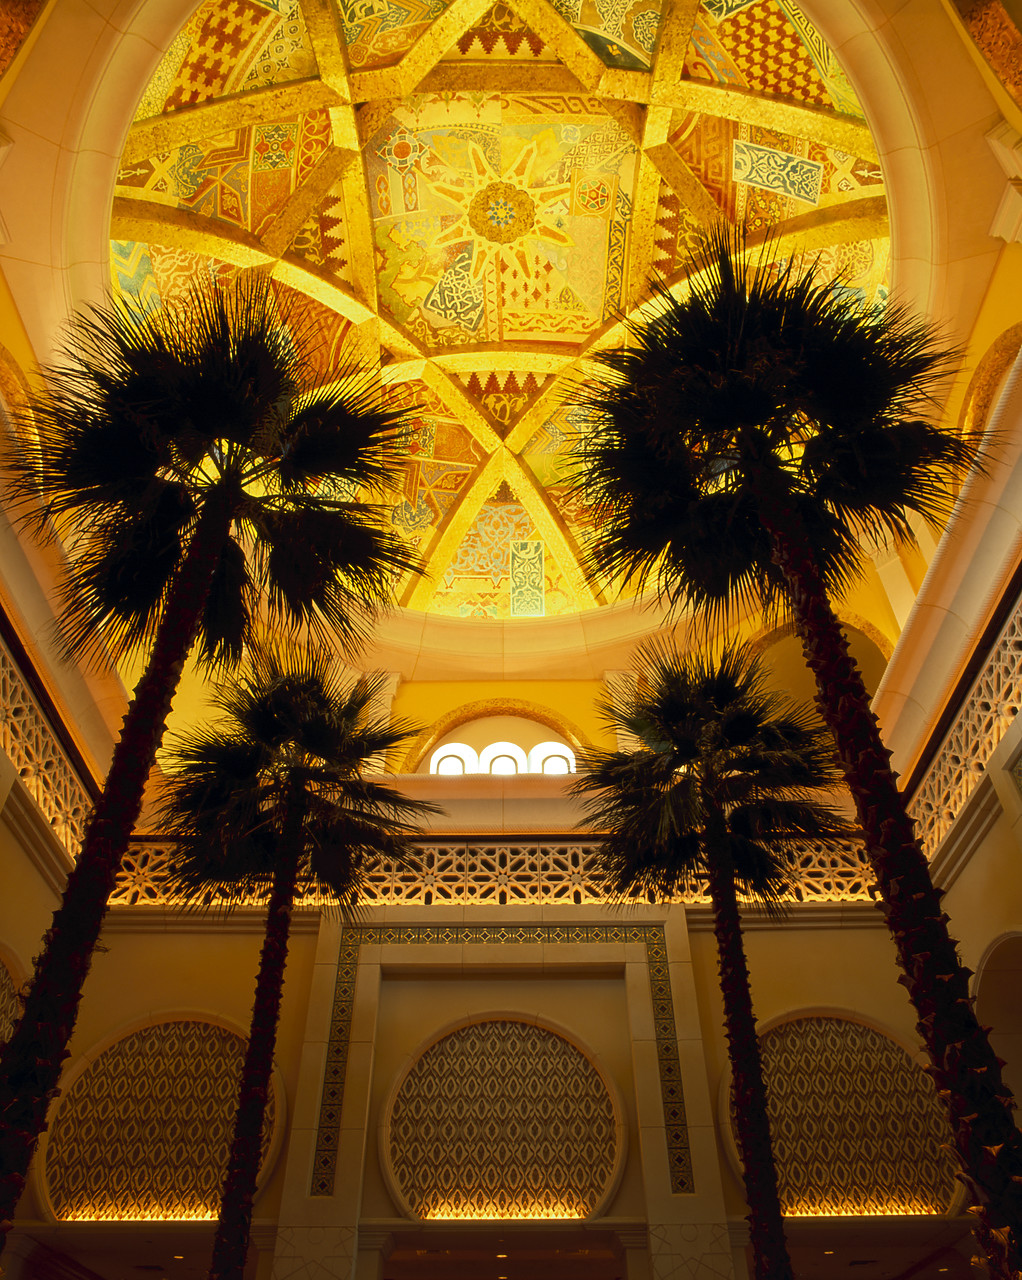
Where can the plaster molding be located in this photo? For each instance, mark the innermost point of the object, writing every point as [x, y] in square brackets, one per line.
[1006, 145]
[36, 838]
[966, 836]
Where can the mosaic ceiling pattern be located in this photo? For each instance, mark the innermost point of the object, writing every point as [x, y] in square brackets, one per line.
[473, 196]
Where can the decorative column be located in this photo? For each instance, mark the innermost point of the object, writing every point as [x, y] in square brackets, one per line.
[688, 1230]
[374, 1248]
[317, 1236]
[635, 1243]
[382, 706]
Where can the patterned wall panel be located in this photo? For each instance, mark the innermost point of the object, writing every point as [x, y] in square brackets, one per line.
[497, 875]
[856, 1125]
[144, 1132]
[679, 1156]
[502, 1119]
[10, 1005]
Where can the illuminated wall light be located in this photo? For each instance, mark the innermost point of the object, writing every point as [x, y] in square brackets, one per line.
[490, 1213]
[903, 1210]
[135, 1214]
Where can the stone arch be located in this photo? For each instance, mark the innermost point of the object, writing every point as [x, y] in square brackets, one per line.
[422, 747]
[997, 1005]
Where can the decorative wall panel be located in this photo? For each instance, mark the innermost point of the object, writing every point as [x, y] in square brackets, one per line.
[497, 875]
[32, 746]
[502, 1119]
[144, 1132]
[856, 1125]
[650, 936]
[10, 1005]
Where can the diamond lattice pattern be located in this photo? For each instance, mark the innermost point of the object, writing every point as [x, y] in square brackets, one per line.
[145, 1131]
[503, 1119]
[857, 1128]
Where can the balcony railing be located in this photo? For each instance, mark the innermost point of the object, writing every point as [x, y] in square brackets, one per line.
[501, 872]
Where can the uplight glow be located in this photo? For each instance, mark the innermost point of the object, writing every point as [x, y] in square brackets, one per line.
[490, 1213]
[138, 1215]
[868, 1211]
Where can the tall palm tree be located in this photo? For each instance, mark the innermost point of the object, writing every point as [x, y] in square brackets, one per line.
[272, 802]
[755, 432]
[200, 483]
[721, 785]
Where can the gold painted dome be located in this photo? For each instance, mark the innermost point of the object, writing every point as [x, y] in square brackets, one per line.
[473, 196]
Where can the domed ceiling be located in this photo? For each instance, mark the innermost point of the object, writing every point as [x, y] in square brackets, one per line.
[472, 196]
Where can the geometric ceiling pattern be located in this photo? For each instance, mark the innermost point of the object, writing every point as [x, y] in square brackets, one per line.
[472, 196]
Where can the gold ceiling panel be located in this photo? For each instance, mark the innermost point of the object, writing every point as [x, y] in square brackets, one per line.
[478, 193]
[165, 133]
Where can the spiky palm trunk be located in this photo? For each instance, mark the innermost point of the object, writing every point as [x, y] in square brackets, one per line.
[230, 1247]
[31, 1061]
[766, 1225]
[964, 1068]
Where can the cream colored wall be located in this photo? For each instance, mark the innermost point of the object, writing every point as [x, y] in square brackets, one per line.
[431, 703]
[26, 902]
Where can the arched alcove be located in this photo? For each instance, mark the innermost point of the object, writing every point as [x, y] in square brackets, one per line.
[502, 1118]
[856, 1125]
[143, 1130]
[500, 744]
[998, 1006]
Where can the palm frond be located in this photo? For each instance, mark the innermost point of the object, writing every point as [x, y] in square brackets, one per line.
[211, 399]
[762, 389]
[724, 771]
[288, 755]
[328, 567]
[344, 435]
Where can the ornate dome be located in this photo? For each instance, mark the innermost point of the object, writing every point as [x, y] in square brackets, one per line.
[473, 197]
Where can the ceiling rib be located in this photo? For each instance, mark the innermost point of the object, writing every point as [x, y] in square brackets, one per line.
[551, 529]
[326, 33]
[441, 548]
[305, 199]
[224, 115]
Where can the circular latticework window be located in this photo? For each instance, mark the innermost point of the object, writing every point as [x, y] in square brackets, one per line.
[502, 1119]
[144, 1132]
[857, 1128]
[10, 1005]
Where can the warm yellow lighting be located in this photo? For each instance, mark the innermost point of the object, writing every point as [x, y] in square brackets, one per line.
[491, 1213]
[903, 1210]
[135, 1214]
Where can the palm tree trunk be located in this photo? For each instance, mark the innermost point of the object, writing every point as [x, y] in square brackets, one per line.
[766, 1225]
[31, 1061]
[230, 1247]
[964, 1068]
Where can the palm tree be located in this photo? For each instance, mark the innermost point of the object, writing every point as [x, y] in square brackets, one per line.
[199, 485]
[720, 785]
[754, 434]
[273, 802]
